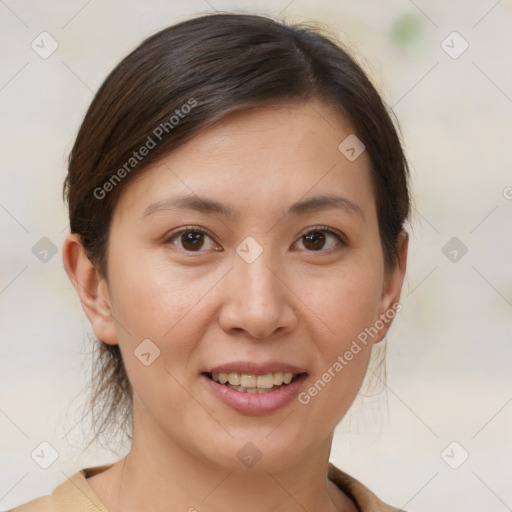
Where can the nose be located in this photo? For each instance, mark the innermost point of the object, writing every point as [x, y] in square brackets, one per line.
[257, 299]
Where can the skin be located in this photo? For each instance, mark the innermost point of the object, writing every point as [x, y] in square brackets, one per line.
[207, 307]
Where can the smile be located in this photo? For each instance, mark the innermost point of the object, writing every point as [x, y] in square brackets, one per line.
[246, 397]
[247, 383]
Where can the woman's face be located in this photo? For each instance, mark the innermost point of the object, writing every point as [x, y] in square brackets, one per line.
[251, 250]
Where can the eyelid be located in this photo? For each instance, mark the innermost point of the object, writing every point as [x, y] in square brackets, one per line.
[328, 229]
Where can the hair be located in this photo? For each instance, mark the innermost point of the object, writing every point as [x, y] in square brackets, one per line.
[185, 78]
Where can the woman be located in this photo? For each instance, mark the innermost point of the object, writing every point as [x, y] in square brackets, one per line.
[237, 194]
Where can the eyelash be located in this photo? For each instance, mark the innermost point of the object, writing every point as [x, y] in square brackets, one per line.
[317, 229]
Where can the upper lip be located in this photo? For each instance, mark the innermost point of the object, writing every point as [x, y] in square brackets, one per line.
[252, 368]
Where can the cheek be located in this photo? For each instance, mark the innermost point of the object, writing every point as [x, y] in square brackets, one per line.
[346, 307]
[154, 302]
[346, 303]
[171, 307]
[150, 296]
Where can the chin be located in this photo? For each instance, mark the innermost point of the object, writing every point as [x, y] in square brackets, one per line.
[257, 449]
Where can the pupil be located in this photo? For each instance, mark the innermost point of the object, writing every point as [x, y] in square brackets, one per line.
[314, 238]
[193, 239]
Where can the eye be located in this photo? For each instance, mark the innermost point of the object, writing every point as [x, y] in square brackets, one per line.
[194, 239]
[321, 238]
[191, 239]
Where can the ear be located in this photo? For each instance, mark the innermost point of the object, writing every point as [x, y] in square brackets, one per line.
[91, 288]
[393, 282]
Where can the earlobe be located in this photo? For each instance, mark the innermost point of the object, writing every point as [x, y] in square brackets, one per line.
[390, 302]
[91, 288]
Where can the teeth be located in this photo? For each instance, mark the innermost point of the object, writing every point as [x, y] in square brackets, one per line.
[248, 381]
[250, 390]
[278, 378]
[253, 383]
[265, 381]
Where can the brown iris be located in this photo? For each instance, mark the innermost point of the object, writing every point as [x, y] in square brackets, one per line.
[314, 240]
[192, 240]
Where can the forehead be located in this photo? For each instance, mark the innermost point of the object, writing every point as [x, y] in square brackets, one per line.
[258, 158]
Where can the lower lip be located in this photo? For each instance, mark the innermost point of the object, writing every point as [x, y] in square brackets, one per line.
[256, 403]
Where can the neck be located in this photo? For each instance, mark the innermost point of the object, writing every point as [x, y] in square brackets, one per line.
[161, 476]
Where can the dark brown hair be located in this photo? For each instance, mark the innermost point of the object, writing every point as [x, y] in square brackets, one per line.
[182, 80]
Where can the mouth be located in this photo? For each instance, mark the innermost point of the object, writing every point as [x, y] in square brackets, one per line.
[250, 383]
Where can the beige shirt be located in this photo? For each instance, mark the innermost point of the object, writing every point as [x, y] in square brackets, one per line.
[76, 495]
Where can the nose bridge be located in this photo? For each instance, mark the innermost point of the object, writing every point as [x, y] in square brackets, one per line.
[257, 282]
[257, 300]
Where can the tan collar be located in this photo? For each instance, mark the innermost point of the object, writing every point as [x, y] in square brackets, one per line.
[76, 494]
[364, 499]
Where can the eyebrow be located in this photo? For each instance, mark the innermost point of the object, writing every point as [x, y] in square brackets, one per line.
[205, 205]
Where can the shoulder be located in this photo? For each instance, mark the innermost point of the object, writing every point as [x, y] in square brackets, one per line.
[72, 494]
[361, 495]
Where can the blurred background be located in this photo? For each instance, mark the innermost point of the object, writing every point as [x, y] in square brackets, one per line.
[437, 435]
